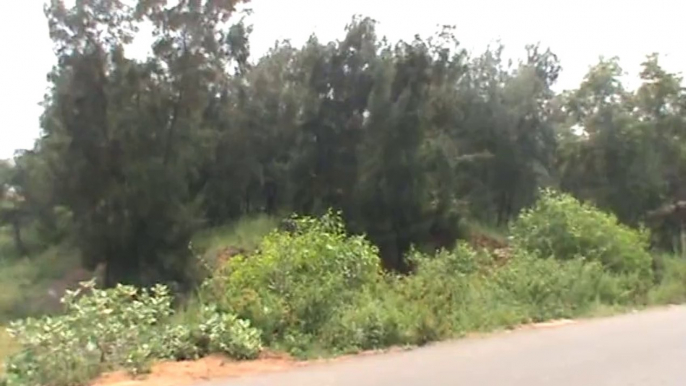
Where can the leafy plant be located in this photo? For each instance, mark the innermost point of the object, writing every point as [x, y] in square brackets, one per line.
[297, 280]
[378, 318]
[226, 334]
[547, 288]
[123, 327]
[100, 330]
[672, 285]
[562, 227]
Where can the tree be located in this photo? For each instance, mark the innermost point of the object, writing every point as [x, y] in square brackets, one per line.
[12, 208]
[407, 139]
[126, 138]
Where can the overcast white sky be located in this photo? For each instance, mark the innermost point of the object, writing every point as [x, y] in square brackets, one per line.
[578, 31]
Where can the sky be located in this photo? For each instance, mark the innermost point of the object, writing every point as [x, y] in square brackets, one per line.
[579, 32]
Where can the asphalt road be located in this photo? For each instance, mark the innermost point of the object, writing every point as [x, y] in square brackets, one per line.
[644, 349]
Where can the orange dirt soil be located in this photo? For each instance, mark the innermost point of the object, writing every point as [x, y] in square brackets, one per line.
[192, 372]
[216, 367]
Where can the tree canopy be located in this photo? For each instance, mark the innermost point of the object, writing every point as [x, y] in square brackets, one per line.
[407, 138]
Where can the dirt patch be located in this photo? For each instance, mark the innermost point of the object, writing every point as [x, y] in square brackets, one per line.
[217, 367]
[192, 372]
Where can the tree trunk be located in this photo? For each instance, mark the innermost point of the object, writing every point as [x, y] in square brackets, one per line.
[18, 240]
[270, 198]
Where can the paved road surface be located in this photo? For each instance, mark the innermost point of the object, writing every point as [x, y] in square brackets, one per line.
[643, 349]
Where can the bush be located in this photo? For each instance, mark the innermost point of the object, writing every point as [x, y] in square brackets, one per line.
[123, 327]
[377, 319]
[462, 260]
[465, 290]
[298, 280]
[224, 333]
[244, 234]
[672, 286]
[100, 331]
[210, 332]
[454, 292]
[439, 300]
[542, 289]
[560, 226]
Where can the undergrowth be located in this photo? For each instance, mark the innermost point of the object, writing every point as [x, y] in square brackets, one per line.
[25, 282]
[118, 328]
[314, 290]
[8, 347]
[244, 234]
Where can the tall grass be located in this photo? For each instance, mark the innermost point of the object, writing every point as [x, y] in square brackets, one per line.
[671, 288]
[476, 230]
[246, 234]
[25, 282]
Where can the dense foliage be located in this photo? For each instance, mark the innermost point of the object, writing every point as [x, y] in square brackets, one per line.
[559, 226]
[313, 289]
[316, 288]
[297, 280]
[118, 328]
[408, 139]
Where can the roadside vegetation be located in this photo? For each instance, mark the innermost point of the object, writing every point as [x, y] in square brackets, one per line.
[315, 290]
[435, 192]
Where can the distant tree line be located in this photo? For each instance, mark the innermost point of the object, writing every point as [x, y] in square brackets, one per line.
[408, 139]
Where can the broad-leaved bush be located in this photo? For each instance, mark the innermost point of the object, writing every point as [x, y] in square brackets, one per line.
[298, 279]
[119, 328]
[560, 226]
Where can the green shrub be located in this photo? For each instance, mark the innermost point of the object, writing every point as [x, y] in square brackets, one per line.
[225, 333]
[99, 331]
[671, 288]
[465, 290]
[462, 260]
[245, 233]
[315, 289]
[124, 327]
[436, 302]
[297, 280]
[378, 318]
[542, 289]
[452, 293]
[560, 226]
[8, 347]
[210, 332]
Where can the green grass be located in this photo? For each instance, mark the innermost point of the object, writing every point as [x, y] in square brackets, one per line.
[672, 287]
[498, 234]
[7, 346]
[245, 233]
[24, 282]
